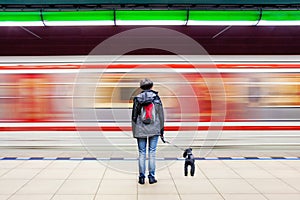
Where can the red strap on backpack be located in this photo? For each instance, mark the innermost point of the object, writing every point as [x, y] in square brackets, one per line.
[148, 108]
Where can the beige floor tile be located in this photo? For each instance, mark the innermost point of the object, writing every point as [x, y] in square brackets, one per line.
[79, 187]
[201, 197]
[161, 187]
[237, 164]
[292, 163]
[50, 173]
[211, 164]
[73, 197]
[158, 196]
[220, 173]
[118, 187]
[10, 186]
[35, 164]
[91, 173]
[233, 186]
[177, 168]
[127, 166]
[271, 186]
[293, 182]
[61, 164]
[171, 163]
[283, 196]
[21, 174]
[244, 197]
[271, 165]
[194, 186]
[175, 164]
[163, 174]
[83, 182]
[114, 174]
[92, 164]
[31, 197]
[253, 173]
[9, 164]
[3, 171]
[116, 197]
[41, 187]
[4, 197]
[279, 173]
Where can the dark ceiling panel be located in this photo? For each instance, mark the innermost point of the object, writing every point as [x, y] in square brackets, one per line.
[30, 41]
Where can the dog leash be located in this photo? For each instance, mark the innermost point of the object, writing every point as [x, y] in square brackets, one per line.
[164, 141]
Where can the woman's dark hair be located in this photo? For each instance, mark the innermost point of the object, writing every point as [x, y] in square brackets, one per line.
[146, 84]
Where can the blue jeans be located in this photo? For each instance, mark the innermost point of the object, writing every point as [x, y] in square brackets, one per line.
[142, 142]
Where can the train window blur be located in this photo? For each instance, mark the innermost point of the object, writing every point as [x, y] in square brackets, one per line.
[284, 91]
[120, 96]
[128, 93]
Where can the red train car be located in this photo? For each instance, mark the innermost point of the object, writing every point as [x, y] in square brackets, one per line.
[242, 93]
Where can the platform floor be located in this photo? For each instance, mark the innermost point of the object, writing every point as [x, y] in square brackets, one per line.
[92, 180]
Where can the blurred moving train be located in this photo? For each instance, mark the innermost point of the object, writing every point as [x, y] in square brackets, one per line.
[235, 89]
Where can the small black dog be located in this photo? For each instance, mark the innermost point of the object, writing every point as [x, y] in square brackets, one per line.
[189, 160]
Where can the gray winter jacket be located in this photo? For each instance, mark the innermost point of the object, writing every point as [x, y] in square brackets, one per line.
[139, 129]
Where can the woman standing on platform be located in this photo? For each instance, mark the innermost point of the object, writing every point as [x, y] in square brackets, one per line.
[147, 125]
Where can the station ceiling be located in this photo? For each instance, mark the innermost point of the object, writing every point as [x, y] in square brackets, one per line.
[217, 40]
[80, 40]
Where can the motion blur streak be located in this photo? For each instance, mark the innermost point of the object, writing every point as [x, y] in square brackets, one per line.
[27, 96]
[262, 101]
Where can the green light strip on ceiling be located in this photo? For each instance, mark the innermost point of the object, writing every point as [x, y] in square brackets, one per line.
[280, 15]
[20, 16]
[103, 15]
[78, 18]
[152, 17]
[20, 19]
[280, 18]
[219, 15]
[145, 15]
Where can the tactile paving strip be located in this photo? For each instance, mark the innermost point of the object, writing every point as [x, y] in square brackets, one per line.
[166, 158]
